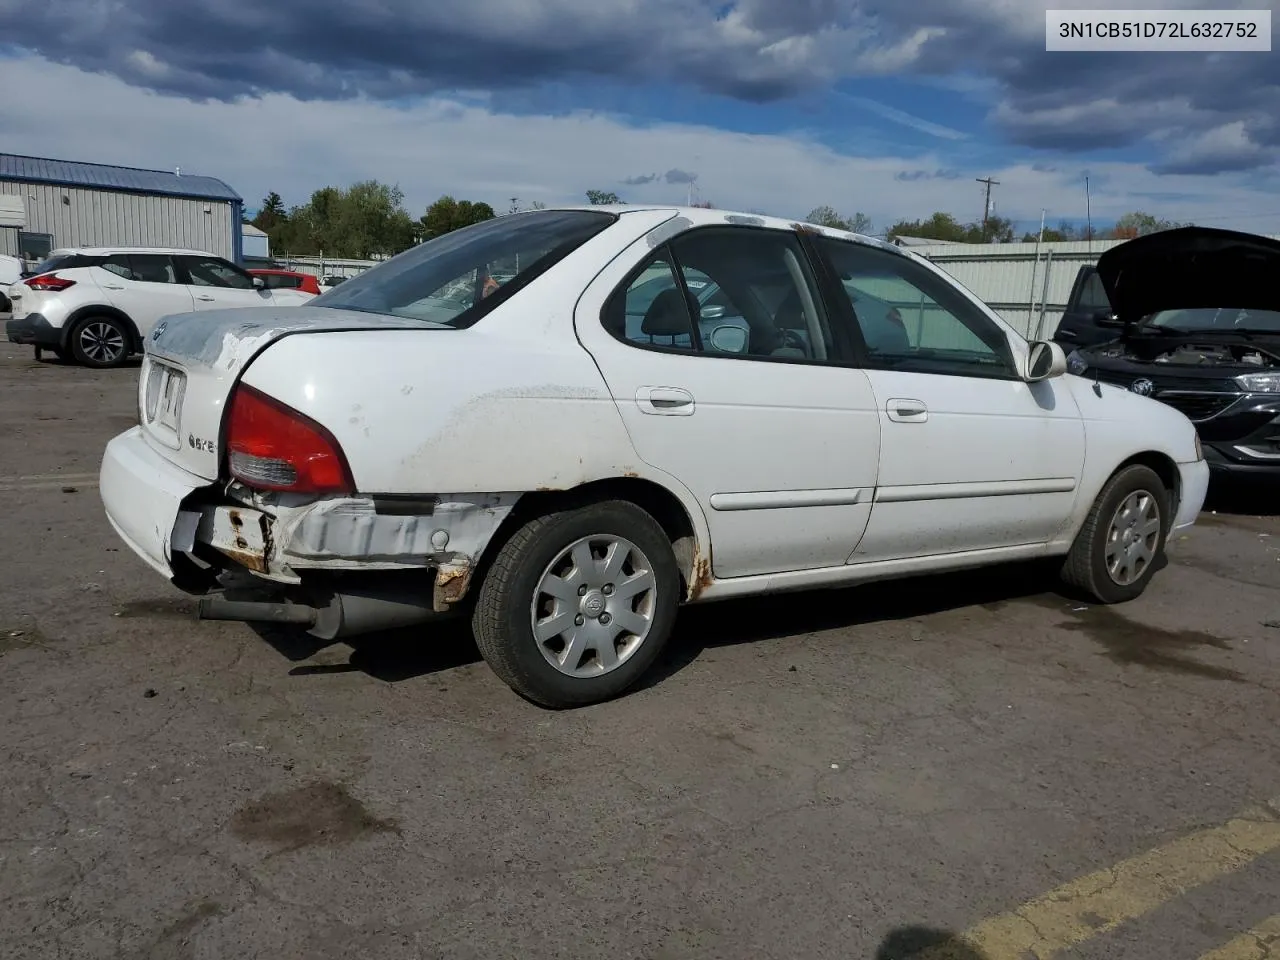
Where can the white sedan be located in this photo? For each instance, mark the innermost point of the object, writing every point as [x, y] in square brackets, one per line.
[568, 466]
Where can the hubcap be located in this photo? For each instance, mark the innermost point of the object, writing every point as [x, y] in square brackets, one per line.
[594, 606]
[1133, 537]
[101, 342]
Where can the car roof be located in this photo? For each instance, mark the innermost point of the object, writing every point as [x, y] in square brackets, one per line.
[109, 251]
[704, 216]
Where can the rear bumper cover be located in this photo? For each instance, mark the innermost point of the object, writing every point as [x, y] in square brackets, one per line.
[143, 494]
[33, 329]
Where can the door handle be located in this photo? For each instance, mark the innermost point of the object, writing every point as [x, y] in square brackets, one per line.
[907, 411]
[112, 286]
[665, 401]
[205, 299]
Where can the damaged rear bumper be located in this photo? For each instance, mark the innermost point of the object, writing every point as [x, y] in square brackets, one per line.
[284, 542]
[190, 531]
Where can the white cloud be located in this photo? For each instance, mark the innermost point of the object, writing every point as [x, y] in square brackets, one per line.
[462, 148]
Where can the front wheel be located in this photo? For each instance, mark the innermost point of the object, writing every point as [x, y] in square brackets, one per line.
[100, 342]
[578, 604]
[1122, 541]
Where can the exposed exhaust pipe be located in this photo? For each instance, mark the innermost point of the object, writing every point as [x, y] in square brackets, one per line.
[219, 608]
[340, 615]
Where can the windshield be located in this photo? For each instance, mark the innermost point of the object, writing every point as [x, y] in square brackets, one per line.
[1215, 320]
[455, 278]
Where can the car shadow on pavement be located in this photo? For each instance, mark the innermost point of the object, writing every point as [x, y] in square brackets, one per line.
[411, 652]
[752, 619]
[390, 656]
[925, 943]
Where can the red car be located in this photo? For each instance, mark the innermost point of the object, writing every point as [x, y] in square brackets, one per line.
[289, 280]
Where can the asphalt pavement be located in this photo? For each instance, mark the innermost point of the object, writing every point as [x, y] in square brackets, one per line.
[969, 767]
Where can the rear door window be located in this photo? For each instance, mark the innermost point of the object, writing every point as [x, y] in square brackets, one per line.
[212, 272]
[153, 268]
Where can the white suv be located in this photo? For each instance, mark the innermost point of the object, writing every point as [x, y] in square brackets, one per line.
[96, 306]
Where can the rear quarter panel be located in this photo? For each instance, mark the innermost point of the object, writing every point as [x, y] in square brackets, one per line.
[460, 411]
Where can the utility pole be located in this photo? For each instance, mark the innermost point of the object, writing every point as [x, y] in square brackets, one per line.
[986, 206]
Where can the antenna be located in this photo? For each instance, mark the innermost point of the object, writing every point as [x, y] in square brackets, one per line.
[1088, 213]
[986, 205]
[177, 171]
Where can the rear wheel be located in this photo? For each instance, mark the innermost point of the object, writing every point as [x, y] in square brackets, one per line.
[578, 604]
[100, 342]
[1122, 541]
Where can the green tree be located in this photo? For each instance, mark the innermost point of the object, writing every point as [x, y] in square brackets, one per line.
[447, 214]
[369, 220]
[271, 214]
[293, 235]
[828, 217]
[364, 221]
[944, 226]
[601, 198]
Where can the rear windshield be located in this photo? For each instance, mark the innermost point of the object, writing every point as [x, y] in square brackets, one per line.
[61, 261]
[456, 278]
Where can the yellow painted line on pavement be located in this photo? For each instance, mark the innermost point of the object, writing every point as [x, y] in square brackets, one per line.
[1257, 944]
[1099, 902]
[48, 481]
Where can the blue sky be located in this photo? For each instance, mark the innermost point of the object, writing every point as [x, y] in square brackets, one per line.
[888, 108]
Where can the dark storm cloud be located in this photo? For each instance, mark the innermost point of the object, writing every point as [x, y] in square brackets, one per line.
[679, 176]
[756, 50]
[911, 176]
[224, 49]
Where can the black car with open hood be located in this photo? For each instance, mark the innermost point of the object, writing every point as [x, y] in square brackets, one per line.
[1196, 315]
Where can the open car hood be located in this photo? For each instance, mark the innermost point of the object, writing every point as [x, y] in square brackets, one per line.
[1190, 268]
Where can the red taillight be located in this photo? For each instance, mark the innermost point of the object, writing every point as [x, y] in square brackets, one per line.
[49, 281]
[274, 447]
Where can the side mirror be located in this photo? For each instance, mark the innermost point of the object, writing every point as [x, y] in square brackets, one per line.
[1105, 318]
[728, 339]
[260, 283]
[1045, 359]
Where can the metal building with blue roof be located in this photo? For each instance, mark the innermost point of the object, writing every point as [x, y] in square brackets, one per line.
[47, 204]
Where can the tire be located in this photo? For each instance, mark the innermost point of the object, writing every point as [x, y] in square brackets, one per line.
[513, 595]
[1087, 567]
[100, 342]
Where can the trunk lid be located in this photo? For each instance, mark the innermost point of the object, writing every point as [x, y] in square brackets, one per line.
[193, 360]
[1190, 268]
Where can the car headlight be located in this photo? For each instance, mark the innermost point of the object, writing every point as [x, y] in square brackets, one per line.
[1259, 382]
[1076, 363]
